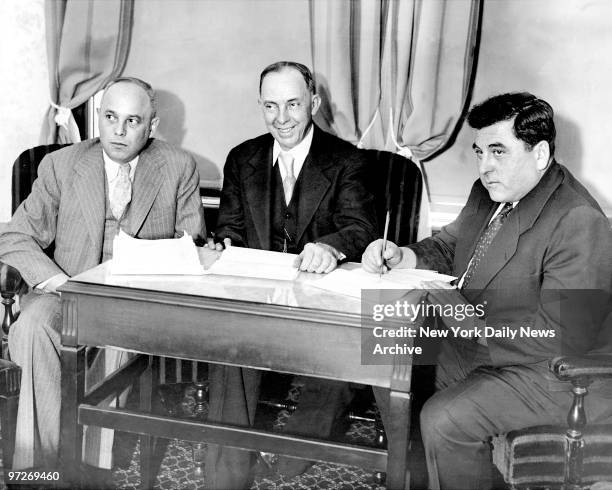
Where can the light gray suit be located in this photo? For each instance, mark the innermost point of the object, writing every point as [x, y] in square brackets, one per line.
[67, 208]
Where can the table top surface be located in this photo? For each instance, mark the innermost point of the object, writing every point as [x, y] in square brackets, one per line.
[300, 293]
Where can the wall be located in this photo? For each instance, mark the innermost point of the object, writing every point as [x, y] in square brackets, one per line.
[560, 51]
[205, 57]
[23, 86]
[204, 60]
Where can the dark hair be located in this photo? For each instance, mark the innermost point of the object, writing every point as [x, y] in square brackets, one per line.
[142, 84]
[533, 117]
[281, 65]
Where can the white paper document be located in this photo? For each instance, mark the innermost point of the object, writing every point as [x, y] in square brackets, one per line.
[250, 262]
[351, 282]
[166, 256]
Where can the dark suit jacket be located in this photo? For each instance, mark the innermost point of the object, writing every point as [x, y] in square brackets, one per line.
[67, 205]
[334, 206]
[549, 267]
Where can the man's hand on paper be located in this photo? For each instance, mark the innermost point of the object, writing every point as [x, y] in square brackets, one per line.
[443, 293]
[319, 258]
[394, 256]
[210, 243]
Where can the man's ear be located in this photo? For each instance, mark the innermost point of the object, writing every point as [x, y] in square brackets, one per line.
[315, 104]
[542, 154]
[153, 126]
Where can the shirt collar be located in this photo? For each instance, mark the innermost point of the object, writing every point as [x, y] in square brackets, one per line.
[500, 207]
[112, 168]
[299, 151]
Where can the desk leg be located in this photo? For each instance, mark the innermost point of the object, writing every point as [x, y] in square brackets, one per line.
[73, 390]
[148, 382]
[398, 438]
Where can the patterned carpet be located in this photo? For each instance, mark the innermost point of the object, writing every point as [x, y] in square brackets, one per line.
[177, 466]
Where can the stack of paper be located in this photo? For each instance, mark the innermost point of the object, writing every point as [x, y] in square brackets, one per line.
[166, 256]
[351, 282]
[249, 262]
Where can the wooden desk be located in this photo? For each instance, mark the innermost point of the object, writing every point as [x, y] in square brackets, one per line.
[290, 327]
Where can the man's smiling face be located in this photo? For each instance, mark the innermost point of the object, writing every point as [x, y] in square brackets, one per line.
[287, 106]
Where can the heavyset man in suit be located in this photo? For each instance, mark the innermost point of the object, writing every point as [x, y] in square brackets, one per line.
[298, 190]
[83, 195]
[543, 261]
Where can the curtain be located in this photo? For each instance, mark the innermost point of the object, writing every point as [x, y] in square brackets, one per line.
[400, 72]
[87, 45]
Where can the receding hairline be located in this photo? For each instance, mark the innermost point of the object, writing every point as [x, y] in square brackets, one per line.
[281, 66]
[146, 87]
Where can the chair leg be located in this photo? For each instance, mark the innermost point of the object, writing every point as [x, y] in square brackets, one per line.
[574, 443]
[10, 383]
[201, 389]
[148, 383]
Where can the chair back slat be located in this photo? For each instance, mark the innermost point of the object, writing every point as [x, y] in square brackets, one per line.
[25, 171]
[397, 185]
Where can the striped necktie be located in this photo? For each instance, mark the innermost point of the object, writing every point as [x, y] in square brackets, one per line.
[484, 241]
[121, 195]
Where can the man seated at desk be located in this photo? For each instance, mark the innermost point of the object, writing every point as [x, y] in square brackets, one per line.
[297, 190]
[534, 248]
[83, 195]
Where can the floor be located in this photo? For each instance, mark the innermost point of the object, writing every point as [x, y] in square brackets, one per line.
[176, 458]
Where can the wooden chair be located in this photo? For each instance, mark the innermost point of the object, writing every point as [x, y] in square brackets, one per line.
[25, 171]
[397, 185]
[10, 373]
[571, 457]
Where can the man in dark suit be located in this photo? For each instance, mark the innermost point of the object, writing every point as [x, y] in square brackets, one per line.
[297, 190]
[533, 249]
[83, 195]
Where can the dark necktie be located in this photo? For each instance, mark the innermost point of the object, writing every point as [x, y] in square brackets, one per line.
[484, 241]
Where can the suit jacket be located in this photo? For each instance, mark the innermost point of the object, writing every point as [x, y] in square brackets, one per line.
[548, 268]
[67, 206]
[334, 206]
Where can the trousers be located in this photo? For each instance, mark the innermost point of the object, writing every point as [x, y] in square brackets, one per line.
[35, 345]
[233, 395]
[475, 401]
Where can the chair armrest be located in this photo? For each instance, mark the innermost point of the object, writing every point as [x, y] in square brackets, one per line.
[10, 280]
[584, 368]
[11, 284]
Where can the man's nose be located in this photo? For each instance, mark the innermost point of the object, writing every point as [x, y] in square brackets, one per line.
[120, 128]
[282, 116]
[485, 164]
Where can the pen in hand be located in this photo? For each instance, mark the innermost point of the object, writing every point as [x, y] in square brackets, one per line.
[384, 245]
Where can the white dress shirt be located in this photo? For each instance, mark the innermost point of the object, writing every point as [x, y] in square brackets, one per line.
[299, 153]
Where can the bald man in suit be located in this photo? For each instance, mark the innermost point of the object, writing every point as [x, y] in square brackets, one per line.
[83, 195]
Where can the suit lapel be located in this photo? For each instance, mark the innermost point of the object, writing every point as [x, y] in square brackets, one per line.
[89, 189]
[500, 251]
[258, 189]
[147, 182]
[522, 218]
[476, 224]
[315, 180]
